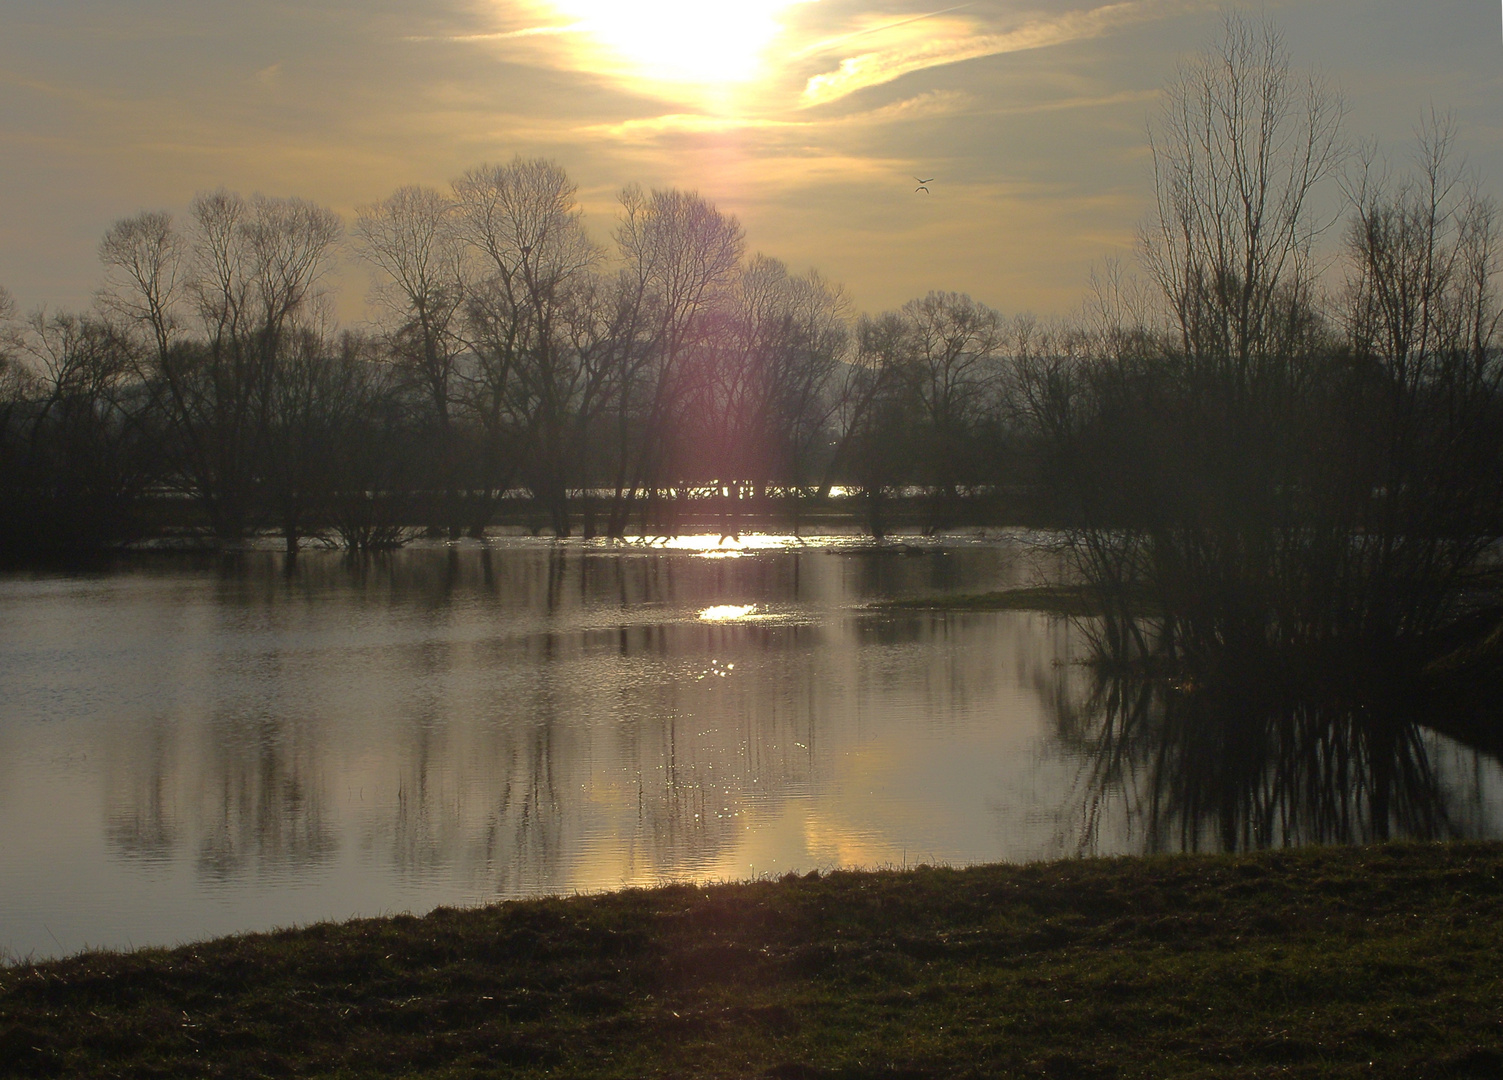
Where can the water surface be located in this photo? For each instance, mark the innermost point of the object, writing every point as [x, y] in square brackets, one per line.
[192, 747]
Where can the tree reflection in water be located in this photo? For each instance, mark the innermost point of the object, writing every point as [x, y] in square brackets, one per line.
[1206, 748]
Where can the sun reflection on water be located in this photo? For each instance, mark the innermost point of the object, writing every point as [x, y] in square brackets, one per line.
[727, 612]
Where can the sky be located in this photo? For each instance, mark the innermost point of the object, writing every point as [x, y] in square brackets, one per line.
[810, 120]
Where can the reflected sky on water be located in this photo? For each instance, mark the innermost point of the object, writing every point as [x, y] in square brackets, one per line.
[190, 747]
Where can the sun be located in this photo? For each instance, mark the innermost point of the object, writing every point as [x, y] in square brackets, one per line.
[707, 43]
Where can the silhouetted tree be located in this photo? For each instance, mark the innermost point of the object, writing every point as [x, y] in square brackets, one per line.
[812, 342]
[1240, 147]
[249, 271]
[315, 393]
[523, 223]
[79, 446]
[953, 350]
[1272, 478]
[760, 388]
[1422, 317]
[680, 254]
[878, 417]
[375, 468]
[412, 238]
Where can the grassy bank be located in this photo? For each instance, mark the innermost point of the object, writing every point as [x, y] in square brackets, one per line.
[1334, 962]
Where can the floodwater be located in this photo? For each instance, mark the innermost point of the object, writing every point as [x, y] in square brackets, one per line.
[198, 746]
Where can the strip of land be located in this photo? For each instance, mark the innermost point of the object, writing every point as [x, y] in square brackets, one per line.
[1054, 599]
[1378, 961]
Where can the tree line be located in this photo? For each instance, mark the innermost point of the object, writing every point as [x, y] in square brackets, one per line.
[515, 352]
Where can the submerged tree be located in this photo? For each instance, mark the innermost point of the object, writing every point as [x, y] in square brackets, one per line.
[523, 224]
[1270, 465]
[878, 417]
[248, 270]
[412, 238]
[1422, 319]
[954, 346]
[79, 439]
[680, 255]
[759, 389]
[1273, 478]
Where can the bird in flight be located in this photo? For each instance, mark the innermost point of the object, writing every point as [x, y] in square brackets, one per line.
[922, 185]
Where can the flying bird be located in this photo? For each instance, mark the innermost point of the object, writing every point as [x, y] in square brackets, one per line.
[922, 186]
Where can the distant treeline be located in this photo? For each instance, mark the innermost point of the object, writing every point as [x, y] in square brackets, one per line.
[516, 353]
[1236, 379]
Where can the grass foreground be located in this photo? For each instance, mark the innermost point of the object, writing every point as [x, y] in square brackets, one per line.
[1328, 962]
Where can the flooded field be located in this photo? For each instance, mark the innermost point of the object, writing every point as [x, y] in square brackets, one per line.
[196, 746]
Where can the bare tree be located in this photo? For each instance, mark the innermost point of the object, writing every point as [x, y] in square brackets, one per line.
[679, 255]
[148, 272]
[524, 225]
[803, 380]
[925, 378]
[1240, 148]
[877, 416]
[257, 265]
[145, 277]
[758, 389]
[374, 471]
[412, 238]
[10, 346]
[1423, 318]
[954, 347]
[1424, 253]
[82, 451]
[15, 388]
[1283, 491]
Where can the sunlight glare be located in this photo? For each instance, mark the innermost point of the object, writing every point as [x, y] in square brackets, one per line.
[711, 543]
[683, 41]
[727, 612]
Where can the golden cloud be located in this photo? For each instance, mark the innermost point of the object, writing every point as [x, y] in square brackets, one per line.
[934, 42]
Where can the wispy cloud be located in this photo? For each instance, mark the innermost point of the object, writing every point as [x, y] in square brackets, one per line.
[1099, 101]
[926, 106]
[505, 35]
[649, 127]
[956, 40]
[830, 44]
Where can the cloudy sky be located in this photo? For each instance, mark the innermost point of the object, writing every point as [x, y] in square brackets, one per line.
[809, 119]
